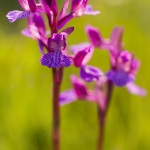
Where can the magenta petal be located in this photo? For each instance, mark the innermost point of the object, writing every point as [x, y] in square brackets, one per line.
[63, 21]
[116, 40]
[89, 11]
[134, 89]
[94, 35]
[16, 14]
[90, 73]
[83, 56]
[67, 97]
[52, 6]
[47, 10]
[67, 31]
[40, 25]
[77, 47]
[26, 32]
[64, 10]
[134, 67]
[41, 46]
[79, 87]
[78, 7]
[24, 4]
[32, 5]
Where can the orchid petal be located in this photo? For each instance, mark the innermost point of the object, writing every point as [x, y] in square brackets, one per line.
[77, 47]
[67, 97]
[16, 14]
[78, 7]
[116, 40]
[79, 87]
[32, 5]
[134, 89]
[83, 56]
[89, 11]
[41, 46]
[64, 10]
[24, 4]
[63, 21]
[26, 32]
[39, 23]
[67, 31]
[94, 35]
[52, 6]
[90, 73]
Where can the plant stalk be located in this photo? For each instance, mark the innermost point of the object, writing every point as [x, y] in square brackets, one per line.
[57, 80]
[102, 113]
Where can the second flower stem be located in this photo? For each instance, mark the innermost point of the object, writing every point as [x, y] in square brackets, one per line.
[102, 113]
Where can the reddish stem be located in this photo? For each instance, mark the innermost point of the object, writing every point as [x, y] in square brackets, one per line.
[57, 79]
[102, 115]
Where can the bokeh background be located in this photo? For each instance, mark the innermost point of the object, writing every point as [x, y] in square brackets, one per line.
[25, 86]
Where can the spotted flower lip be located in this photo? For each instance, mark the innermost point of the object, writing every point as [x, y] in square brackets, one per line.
[119, 78]
[55, 60]
[90, 73]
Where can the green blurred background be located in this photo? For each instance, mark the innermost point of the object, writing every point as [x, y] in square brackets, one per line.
[25, 86]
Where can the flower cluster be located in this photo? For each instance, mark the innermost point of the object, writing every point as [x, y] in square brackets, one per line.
[123, 67]
[56, 55]
[53, 47]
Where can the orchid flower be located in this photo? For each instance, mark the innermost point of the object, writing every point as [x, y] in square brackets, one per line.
[56, 45]
[124, 65]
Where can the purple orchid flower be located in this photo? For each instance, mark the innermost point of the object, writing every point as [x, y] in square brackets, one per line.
[79, 91]
[29, 7]
[124, 71]
[56, 45]
[124, 66]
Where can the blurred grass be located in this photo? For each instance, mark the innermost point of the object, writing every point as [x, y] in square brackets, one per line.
[25, 86]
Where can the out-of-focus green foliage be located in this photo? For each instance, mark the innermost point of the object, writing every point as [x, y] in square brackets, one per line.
[25, 86]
